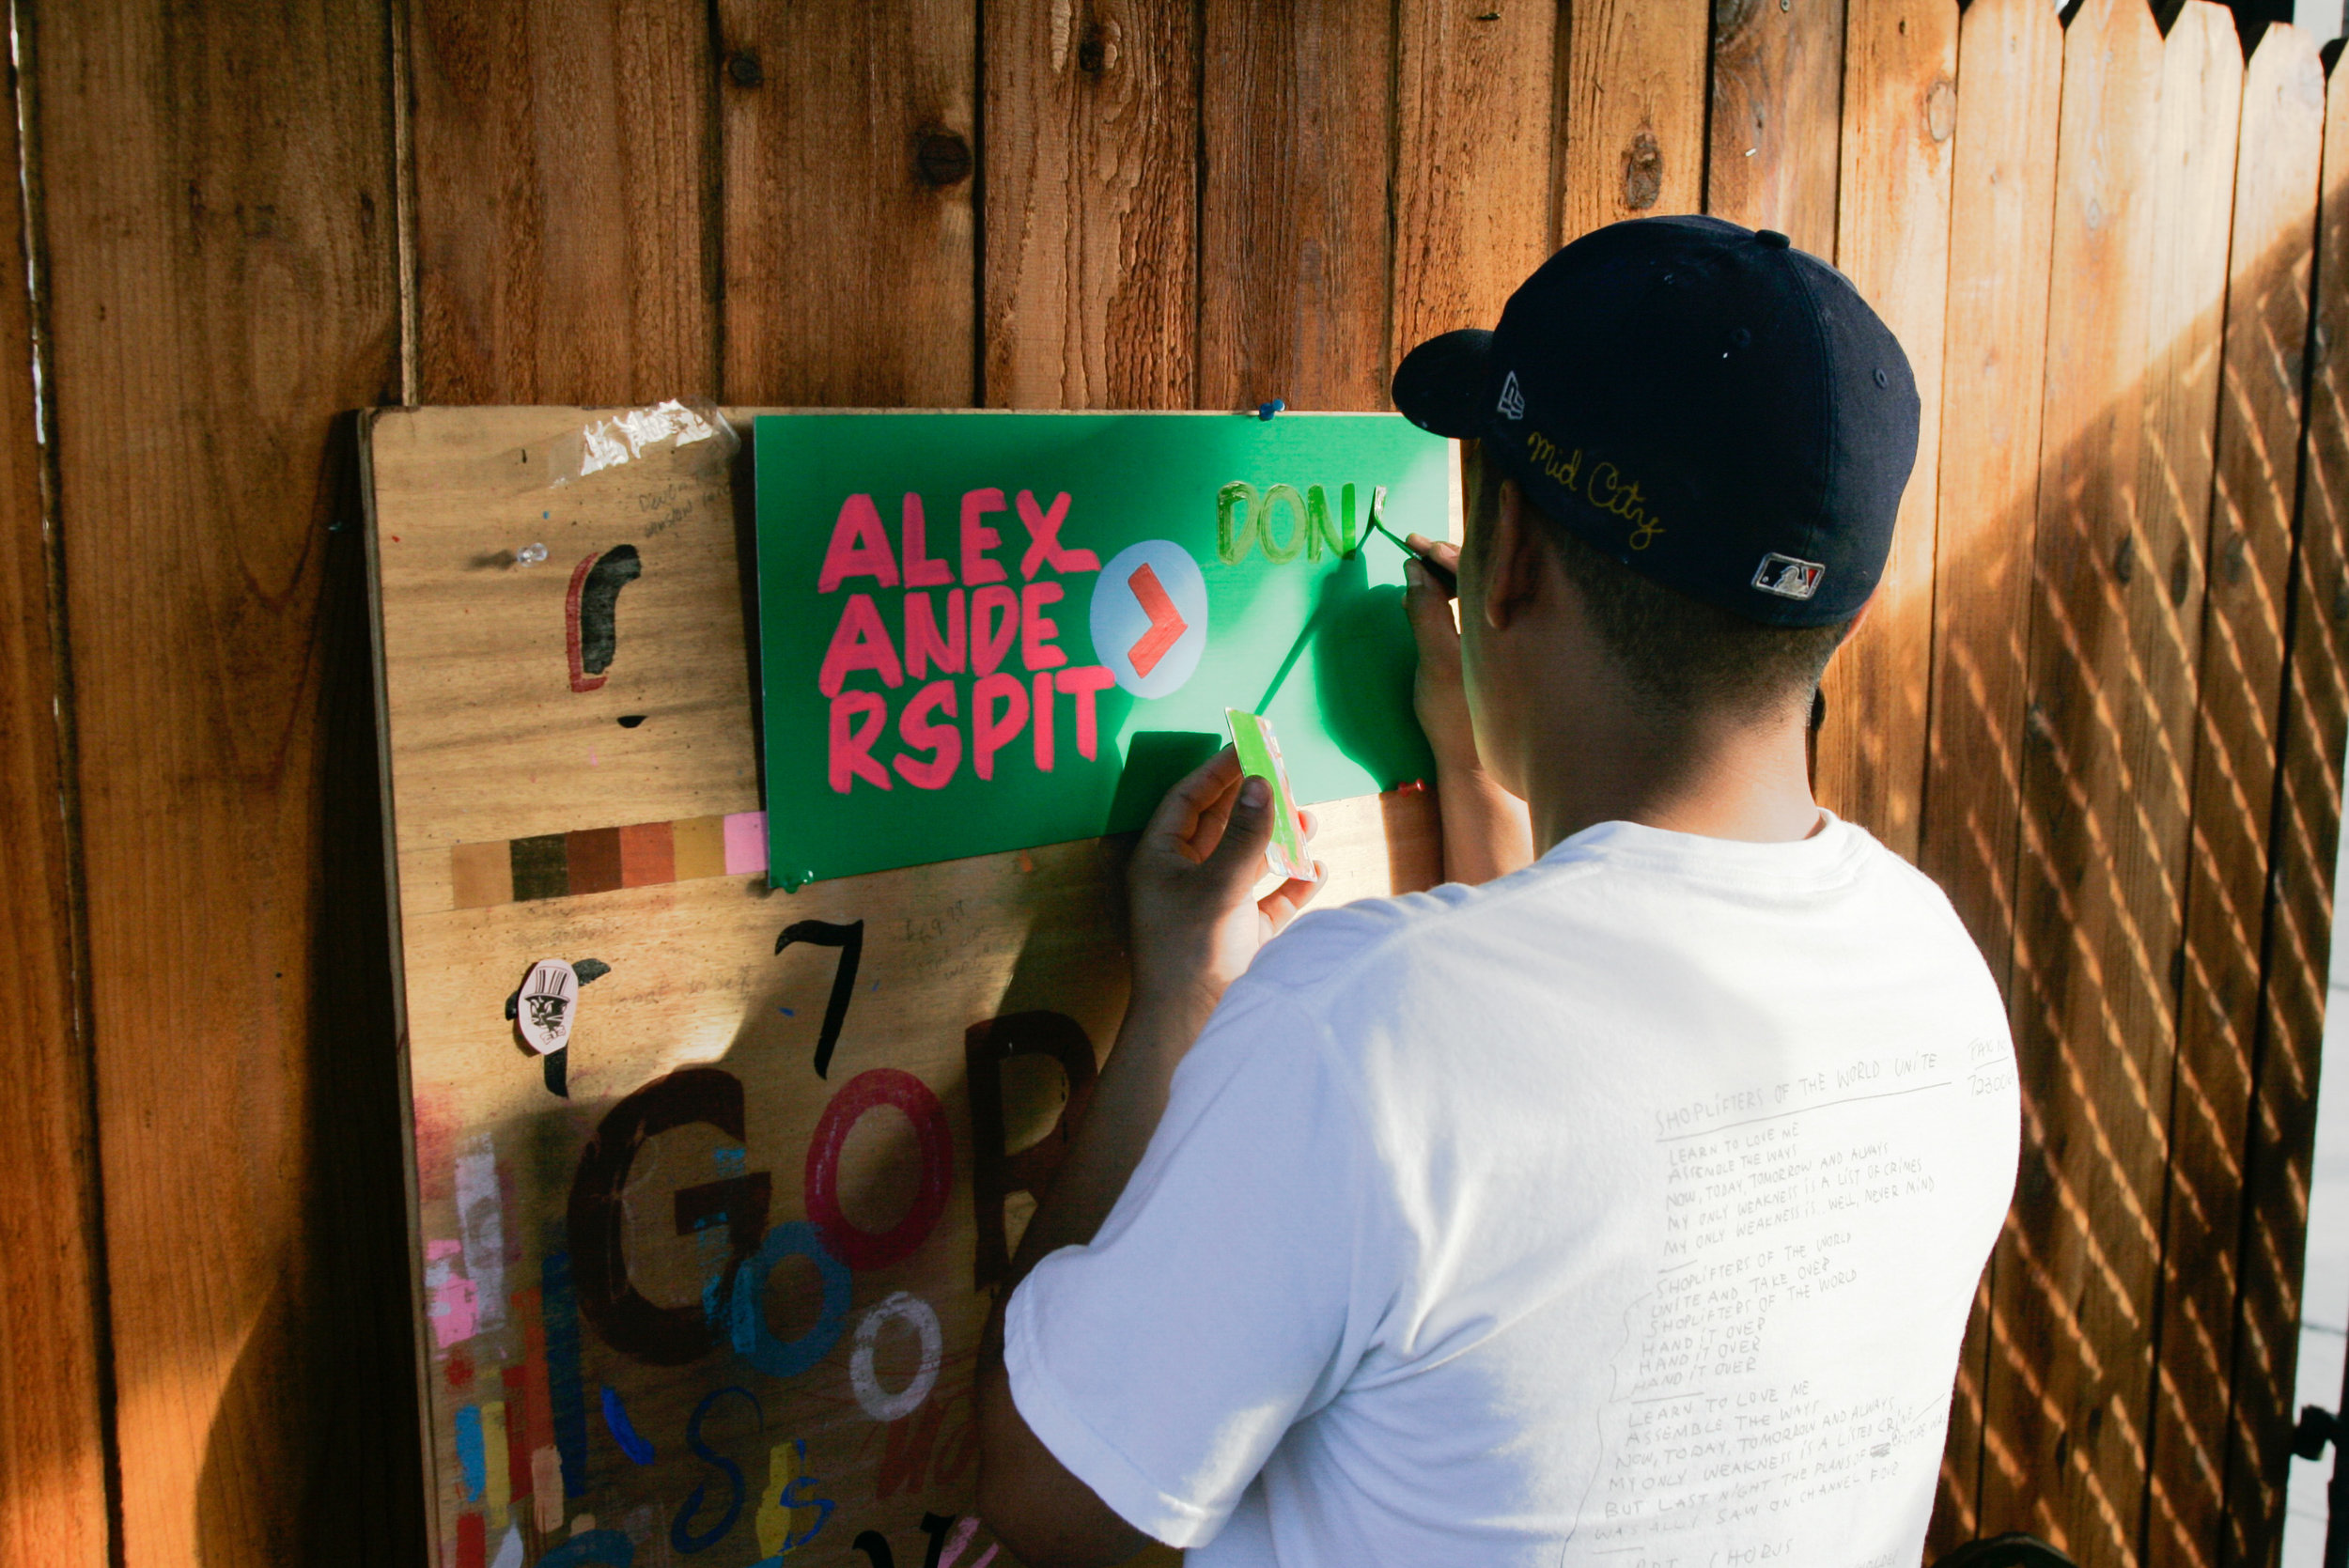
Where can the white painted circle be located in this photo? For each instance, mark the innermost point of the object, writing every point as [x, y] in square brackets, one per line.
[879, 1403]
[1119, 621]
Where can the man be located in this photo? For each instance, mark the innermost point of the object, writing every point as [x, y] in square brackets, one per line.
[1625, 1208]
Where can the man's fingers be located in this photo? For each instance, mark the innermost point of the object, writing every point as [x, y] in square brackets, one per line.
[1240, 854]
[1208, 830]
[1443, 551]
[1178, 818]
[1430, 609]
[1283, 902]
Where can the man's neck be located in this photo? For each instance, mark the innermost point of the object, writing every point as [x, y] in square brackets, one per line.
[1748, 782]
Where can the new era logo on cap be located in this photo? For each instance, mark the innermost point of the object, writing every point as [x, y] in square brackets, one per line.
[1788, 577]
[1512, 400]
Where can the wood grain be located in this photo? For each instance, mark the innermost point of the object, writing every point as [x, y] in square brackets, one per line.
[1475, 125]
[2250, 556]
[850, 153]
[1892, 236]
[2001, 218]
[1634, 80]
[219, 227]
[2297, 948]
[566, 192]
[1091, 204]
[1774, 130]
[1294, 247]
[54, 1506]
[2139, 269]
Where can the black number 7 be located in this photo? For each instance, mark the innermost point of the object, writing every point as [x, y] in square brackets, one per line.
[849, 939]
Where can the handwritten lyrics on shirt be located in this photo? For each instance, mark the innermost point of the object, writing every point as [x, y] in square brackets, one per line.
[1777, 1200]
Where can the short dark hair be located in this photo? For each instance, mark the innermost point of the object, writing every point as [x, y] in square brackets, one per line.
[1683, 653]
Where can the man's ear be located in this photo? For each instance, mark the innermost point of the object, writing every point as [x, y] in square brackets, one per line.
[1512, 564]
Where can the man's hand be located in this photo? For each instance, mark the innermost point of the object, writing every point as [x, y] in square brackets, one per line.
[1487, 833]
[1195, 928]
[1436, 693]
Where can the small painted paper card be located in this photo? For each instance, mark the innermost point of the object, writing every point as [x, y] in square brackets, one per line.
[986, 632]
[1258, 749]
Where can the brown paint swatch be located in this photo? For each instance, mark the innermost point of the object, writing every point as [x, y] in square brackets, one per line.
[594, 854]
[480, 874]
[541, 866]
[648, 855]
[699, 846]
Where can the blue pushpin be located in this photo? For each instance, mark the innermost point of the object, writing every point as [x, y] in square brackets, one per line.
[1265, 410]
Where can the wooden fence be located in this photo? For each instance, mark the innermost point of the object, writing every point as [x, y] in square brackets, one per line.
[2102, 697]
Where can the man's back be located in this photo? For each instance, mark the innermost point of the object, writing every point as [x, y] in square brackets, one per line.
[1625, 1210]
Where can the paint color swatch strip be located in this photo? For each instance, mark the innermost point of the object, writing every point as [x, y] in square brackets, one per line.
[597, 860]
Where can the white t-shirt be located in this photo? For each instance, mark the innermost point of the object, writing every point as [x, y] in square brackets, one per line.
[1624, 1211]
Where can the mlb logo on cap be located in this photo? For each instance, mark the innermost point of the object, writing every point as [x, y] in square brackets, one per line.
[1788, 577]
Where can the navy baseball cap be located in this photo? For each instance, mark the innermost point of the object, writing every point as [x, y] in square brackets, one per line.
[1717, 411]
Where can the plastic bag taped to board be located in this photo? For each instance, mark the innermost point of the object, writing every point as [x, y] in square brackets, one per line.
[690, 428]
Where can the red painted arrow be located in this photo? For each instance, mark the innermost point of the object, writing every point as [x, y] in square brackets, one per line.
[1167, 625]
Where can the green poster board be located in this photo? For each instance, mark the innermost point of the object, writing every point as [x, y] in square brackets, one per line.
[987, 632]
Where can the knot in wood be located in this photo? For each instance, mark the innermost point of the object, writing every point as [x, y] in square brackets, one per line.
[1941, 109]
[1642, 172]
[744, 70]
[1092, 54]
[943, 157]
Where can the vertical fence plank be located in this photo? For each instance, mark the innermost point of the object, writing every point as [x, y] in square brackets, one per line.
[2003, 200]
[2138, 273]
[1091, 204]
[1892, 236]
[849, 152]
[2242, 660]
[218, 214]
[1775, 131]
[1294, 268]
[2298, 942]
[52, 1501]
[564, 184]
[1473, 131]
[1635, 112]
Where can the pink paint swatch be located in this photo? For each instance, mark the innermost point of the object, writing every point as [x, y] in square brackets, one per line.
[455, 1307]
[746, 843]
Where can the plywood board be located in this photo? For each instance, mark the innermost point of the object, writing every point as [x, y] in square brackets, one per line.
[625, 1323]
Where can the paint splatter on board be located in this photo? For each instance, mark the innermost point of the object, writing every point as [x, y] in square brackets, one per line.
[590, 613]
[565, 1391]
[481, 1223]
[454, 1304]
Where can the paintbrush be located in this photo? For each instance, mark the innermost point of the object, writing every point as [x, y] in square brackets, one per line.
[1442, 574]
